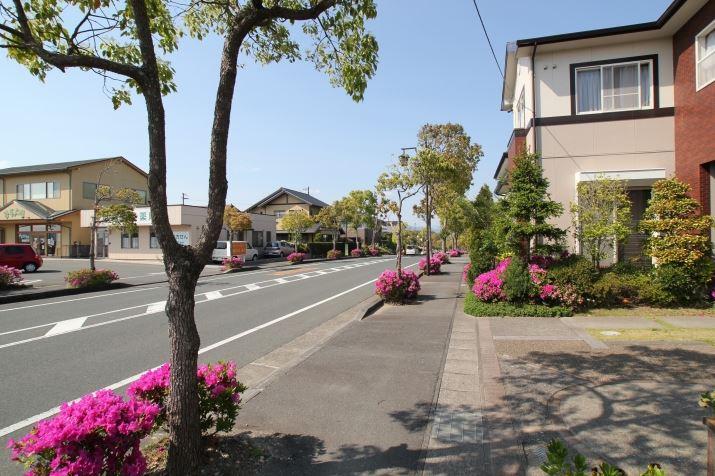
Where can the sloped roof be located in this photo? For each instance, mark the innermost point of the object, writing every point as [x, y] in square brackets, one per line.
[39, 209]
[62, 166]
[309, 199]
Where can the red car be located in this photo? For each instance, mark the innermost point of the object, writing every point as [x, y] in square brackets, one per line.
[20, 256]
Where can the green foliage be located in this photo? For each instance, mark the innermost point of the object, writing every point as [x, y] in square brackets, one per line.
[601, 216]
[575, 271]
[481, 239]
[614, 289]
[679, 235]
[360, 208]
[235, 220]
[528, 207]
[707, 401]
[683, 285]
[119, 216]
[558, 464]
[518, 286]
[475, 307]
[296, 223]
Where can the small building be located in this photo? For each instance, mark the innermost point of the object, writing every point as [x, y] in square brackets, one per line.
[285, 200]
[618, 102]
[186, 222]
[40, 204]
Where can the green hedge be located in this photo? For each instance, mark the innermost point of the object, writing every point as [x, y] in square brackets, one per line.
[475, 307]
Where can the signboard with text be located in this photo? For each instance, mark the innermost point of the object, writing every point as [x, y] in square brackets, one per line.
[183, 237]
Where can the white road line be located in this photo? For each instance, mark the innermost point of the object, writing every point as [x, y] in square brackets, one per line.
[281, 281]
[66, 326]
[152, 308]
[213, 295]
[155, 307]
[41, 416]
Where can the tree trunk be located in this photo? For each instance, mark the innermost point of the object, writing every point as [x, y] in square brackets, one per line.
[183, 407]
[92, 241]
[399, 240]
[428, 222]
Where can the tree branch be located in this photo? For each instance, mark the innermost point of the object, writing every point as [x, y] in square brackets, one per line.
[295, 13]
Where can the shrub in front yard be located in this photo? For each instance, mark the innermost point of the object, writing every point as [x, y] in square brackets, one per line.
[435, 265]
[219, 394]
[229, 264]
[9, 276]
[99, 434]
[86, 278]
[473, 306]
[465, 272]
[296, 257]
[334, 254]
[356, 253]
[519, 287]
[573, 271]
[394, 287]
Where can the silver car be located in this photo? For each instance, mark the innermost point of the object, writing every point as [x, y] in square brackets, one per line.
[277, 249]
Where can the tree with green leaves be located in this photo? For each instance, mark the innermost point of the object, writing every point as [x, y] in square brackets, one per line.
[235, 221]
[111, 208]
[601, 217]
[528, 207]
[481, 233]
[360, 209]
[445, 162]
[330, 218]
[127, 44]
[399, 181]
[296, 222]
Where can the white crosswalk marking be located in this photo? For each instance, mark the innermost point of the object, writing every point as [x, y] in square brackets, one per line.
[213, 295]
[252, 287]
[156, 307]
[65, 326]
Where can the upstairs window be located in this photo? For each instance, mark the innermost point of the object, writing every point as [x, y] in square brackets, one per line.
[37, 190]
[89, 190]
[614, 87]
[705, 57]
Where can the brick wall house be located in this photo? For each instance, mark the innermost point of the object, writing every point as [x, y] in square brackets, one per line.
[695, 105]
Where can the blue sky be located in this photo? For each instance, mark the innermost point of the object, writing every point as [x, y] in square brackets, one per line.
[290, 127]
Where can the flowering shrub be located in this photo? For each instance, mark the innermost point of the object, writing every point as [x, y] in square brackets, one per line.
[296, 257]
[443, 257]
[334, 254]
[395, 287]
[86, 278]
[356, 253]
[234, 262]
[454, 253]
[219, 394]
[489, 286]
[374, 251]
[99, 434]
[9, 276]
[465, 272]
[435, 264]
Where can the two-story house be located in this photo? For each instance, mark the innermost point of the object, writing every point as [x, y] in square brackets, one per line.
[41, 204]
[604, 103]
[284, 201]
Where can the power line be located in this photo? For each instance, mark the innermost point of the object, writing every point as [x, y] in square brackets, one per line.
[488, 40]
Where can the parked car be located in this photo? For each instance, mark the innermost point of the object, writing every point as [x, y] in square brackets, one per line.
[229, 249]
[412, 250]
[277, 249]
[20, 256]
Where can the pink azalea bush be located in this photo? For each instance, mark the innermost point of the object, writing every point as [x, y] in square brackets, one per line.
[443, 257]
[99, 434]
[435, 264]
[296, 257]
[465, 271]
[9, 276]
[334, 254]
[374, 251]
[234, 262]
[356, 253]
[396, 287]
[489, 286]
[455, 253]
[86, 278]
[219, 394]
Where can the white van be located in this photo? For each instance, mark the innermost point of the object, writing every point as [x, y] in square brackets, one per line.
[228, 249]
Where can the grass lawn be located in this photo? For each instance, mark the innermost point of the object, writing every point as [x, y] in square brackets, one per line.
[677, 334]
[649, 312]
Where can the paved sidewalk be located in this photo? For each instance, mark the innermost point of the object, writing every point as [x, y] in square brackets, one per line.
[364, 402]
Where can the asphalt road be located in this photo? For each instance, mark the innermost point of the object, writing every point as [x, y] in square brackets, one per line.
[56, 350]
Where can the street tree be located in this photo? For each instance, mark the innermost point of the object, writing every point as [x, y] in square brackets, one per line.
[296, 223]
[360, 209]
[235, 221]
[127, 45]
[330, 218]
[601, 217]
[528, 207]
[111, 207]
[400, 182]
[445, 162]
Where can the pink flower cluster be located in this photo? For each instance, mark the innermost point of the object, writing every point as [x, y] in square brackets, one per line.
[234, 262]
[435, 264]
[9, 276]
[99, 434]
[334, 254]
[86, 278]
[443, 257]
[465, 271]
[392, 286]
[356, 253]
[219, 393]
[455, 253]
[296, 257]
[374, 251]
[488, 287]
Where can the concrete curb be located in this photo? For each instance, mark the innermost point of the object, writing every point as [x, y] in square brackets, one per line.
[368, 307]
[63, 292]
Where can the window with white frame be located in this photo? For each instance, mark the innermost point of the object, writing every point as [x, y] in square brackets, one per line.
[705, 56]
[521, 112]
[614, 87]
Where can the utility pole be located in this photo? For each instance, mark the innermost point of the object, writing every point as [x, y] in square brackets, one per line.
[183, 198]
